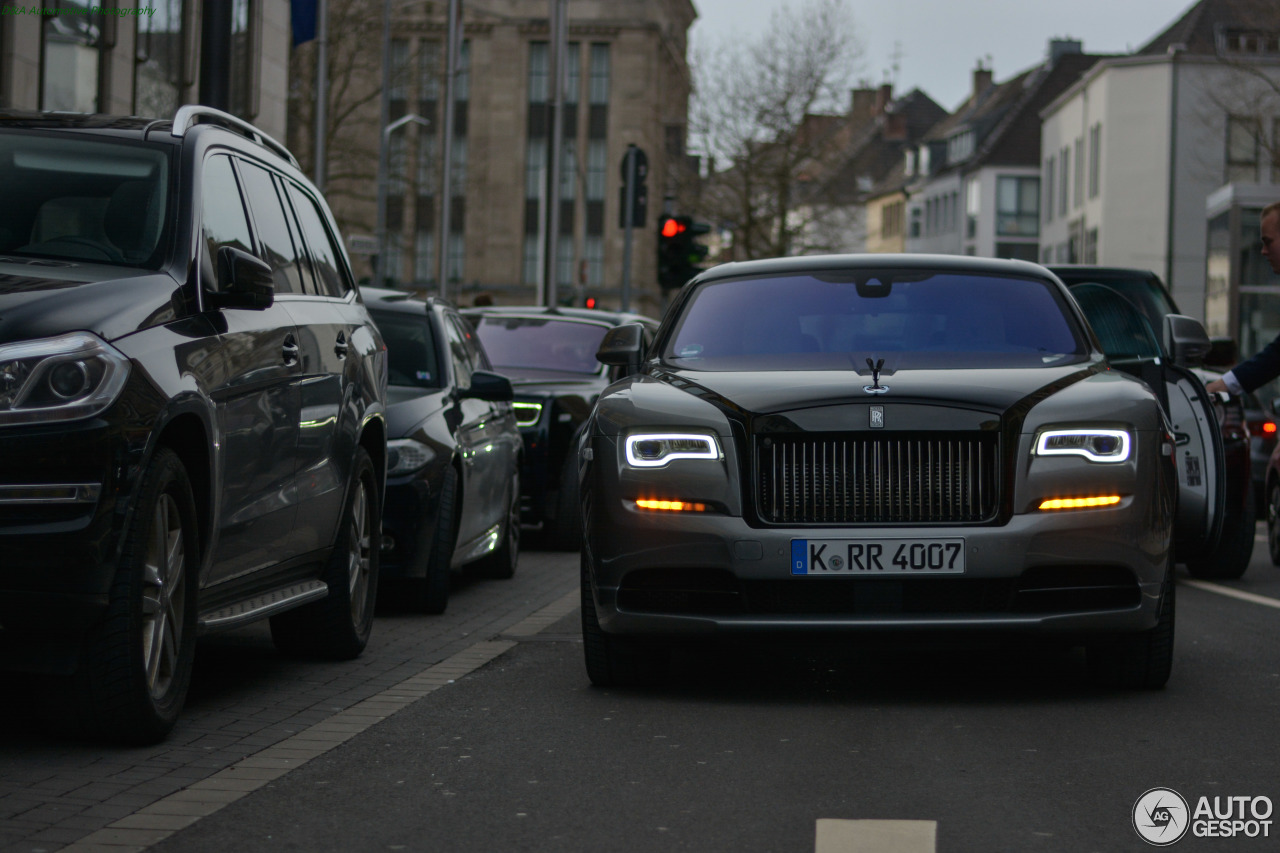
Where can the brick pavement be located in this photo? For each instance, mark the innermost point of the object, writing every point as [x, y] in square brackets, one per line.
[253, 714]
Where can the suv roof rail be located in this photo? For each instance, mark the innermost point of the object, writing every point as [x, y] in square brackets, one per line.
[191, 114]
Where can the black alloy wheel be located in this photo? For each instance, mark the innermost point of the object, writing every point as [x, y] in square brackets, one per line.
[338, 626]
[136, 666]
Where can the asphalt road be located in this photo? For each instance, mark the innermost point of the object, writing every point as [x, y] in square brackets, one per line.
[881, 750]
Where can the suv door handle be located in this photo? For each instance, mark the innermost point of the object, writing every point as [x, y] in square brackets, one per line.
[340, 348]
[290, 350]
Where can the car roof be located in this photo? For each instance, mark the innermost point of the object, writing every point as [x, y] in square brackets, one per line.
[933, 263]
[399, 301]
[614, 318]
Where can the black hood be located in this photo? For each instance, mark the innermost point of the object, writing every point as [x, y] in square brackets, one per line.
[40, 299]
[992, 390]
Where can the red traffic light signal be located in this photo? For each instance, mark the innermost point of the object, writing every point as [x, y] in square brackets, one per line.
[590, 302]
[671, 227]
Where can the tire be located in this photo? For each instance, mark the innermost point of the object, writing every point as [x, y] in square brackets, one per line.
[567, 532]
[338, 626]
[136, 666]
[430, 593]
[1141, 661]
[1235, 546]
[501, 564]
[613, 661]
[1273, 523]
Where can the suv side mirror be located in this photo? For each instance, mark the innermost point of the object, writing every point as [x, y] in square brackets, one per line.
[1185, 340]
[244, 281]
[623, 346]
[1223, 353]
[493, 387]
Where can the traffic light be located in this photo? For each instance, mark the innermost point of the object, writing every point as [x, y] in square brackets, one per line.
[589, 302]
[679, 252]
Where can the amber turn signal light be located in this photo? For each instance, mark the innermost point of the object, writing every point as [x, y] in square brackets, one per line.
[670, 506]
[1080, 503]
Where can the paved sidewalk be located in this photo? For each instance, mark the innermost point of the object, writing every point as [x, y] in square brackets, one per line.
[247, 699]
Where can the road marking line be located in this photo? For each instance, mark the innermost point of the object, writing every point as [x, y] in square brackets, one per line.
[156, 822]
[876, 836]
[1231, 592]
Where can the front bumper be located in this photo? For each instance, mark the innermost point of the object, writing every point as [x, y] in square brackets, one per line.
[1078, 572]
[63, 495]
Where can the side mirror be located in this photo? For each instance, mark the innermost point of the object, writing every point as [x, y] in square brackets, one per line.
[1185, 340]
[1223, 353]
[244, 281]
[493, 387]
[623, 346]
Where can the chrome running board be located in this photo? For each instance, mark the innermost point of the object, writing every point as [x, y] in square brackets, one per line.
[267, 604]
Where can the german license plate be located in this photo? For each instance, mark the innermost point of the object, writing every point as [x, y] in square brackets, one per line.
[875, 557]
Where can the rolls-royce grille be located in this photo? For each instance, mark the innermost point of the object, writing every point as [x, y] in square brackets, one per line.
[902, 478]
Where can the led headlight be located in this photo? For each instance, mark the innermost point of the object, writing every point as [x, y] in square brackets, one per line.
[1096, 445]
[59, 379]
[653, 450]
[404, 456]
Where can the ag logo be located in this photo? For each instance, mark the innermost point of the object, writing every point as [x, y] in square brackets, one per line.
[1161, 816]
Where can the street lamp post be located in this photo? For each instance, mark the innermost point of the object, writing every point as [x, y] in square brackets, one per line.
[384, 180]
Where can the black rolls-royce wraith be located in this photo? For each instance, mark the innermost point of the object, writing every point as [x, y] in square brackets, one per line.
[841, 444]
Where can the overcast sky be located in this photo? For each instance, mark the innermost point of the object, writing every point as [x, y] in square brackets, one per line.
[942, 40]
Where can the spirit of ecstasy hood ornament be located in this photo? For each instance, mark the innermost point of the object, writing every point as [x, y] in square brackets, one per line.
[875, 387]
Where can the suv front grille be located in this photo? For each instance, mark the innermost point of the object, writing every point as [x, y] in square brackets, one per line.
[903, 478]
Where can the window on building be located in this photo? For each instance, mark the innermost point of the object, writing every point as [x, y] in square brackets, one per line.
[1017, 206]
[399, 88]
[429, 69]
[458, 167]
[424, 256]
[1095, 160]
[158, 57]
[1050, 173]
[599, 82]
[1242, 149]
[539, 72]
[593, 252]
[1090, 255]
[1046, 255]
[973, 203]
[1064, 180]
[245, 54]
[71, 39]
[457, 254]
[1077, 189]
[1017, 251]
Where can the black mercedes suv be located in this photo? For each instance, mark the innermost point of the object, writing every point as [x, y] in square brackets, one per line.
[192, 402]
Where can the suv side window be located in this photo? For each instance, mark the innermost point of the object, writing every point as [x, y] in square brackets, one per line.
[325, 257]
[272, 227]
[222, 215]
[479, 358]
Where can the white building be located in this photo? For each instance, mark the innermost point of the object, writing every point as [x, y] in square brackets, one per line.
[1132, 151]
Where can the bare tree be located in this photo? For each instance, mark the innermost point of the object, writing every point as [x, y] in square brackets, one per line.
[354, 91]
[772, 111]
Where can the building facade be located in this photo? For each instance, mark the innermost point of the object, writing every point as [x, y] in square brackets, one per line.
[123, 57]
[1133, 151]
[626, 83]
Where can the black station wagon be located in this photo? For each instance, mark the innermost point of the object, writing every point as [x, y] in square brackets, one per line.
[192, 402]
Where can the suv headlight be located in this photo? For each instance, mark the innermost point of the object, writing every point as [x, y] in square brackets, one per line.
[404, 456]
[59, 379]
[653, 450]
[1096, 445]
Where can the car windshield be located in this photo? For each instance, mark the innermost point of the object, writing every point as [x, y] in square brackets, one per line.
[411, 350]
[541, 343]
[83, 200]
[820, 321]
